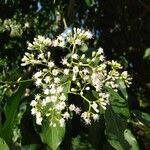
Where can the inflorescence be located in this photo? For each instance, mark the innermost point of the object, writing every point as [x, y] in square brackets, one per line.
[79, 75]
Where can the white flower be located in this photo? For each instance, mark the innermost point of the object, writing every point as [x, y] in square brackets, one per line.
[62, 97]
[66, 71]
[55, 43]
[83, 56]
[85, 71]
[55, 72]
[44, 102]
[64, 61]
[47, 79]
[88, 60]
[56, 80]
[62, 122]
[78, 42]
[41, 56]
[93, 54]
[85, 115]
[77, 110]
[73, 78]
[37, 97]
[86, 77]
[72, 107]
[88, 34]
[33, 103]
[95, 106]
[81, 93]
[60, 37]
[48, 99]
[33, 111]
[66, 115]
[75, 69]
[87, 121]
[100, 51]
[62, 44]
[60, 106]
[39, 120]
[101, 58]
[59, 89]
[46, 91]
[97, 80]
[39, 43]
[87, 88]
[53, 90]
[73, 89]
[124, 74]
[95, 117]
[51, 64]
[38, 82]
[115, 64]
[53, 98]
[37, 74]
[78, 84]
[75, 56]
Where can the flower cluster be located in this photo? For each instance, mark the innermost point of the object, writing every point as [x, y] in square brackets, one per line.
[77, 37]
[80, 75]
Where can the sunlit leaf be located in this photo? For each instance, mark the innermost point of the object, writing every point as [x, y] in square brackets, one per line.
[147, 54]
[3, 145]
[52, 136]
[131, 139]
[89, 2]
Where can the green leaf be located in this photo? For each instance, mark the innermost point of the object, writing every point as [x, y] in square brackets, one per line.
[96, 132]
[89, 2]
[115, 127]
[131, 139]
[52, 136]
[143, 117]
[147, 54]
[31, 147]
[11, 110]
[3, 145]
[122, 89]
[84, 47]
[66, 87]
[118, 104]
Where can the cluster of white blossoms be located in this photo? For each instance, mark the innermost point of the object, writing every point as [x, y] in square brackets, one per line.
[80, 75]
[77, 37]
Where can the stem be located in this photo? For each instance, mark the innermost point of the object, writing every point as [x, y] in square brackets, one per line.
[81, 96]
[73, 49]
[13, 82]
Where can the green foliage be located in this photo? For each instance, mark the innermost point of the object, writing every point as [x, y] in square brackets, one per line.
[81, 142]
[115, 127]
[89, 2]
[11, 110]
[121, 28]
[130, 138]
[30, 147]
[143, 117]
[147, 54]
[119, 105]
[52, 136]
[3, 145]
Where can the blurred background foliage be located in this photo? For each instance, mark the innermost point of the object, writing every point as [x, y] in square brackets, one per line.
[121, 27]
